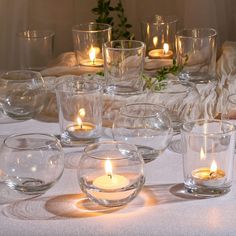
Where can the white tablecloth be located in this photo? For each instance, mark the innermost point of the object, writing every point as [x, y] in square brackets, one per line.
[160, 209]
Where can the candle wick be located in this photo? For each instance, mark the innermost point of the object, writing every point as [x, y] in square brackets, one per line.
[110, 175]
[213, 174]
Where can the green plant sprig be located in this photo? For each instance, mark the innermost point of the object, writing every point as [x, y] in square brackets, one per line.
[104, 11]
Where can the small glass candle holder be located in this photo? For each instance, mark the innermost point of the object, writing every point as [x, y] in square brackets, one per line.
[208, 153]
[158, 33]
[123, 66]
[145, 125]
[196, 51]
[80, 111]
[111, 173]
[88, 39]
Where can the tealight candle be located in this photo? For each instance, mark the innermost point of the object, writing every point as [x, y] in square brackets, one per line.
[164, 53]
[110, 181]
[92, 61]
[209, 176]
[80, 128]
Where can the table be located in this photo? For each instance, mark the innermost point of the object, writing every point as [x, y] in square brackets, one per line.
[160, 209]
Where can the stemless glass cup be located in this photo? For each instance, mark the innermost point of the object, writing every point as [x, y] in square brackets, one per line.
[182, 101]
[31, 163]
[88, 39]
[36, 48]
[21, 93]
[208, 155]
[123, 66]
[80, 111]
[158, 33]
[145, 125]
[196, 52]
[111, 173]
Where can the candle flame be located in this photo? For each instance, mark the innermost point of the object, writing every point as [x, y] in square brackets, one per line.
[108, 168]
[202, 154]
[82, 112]
[92, 54]
[166, 48]
[79, 122]
[213, 166]
[155, 40]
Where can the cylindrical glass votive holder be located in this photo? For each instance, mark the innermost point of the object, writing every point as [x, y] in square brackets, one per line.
[123, 66]
[80, 111]
[111, 173]
[196, 52]
[208, 152]
[36, 48]
[158, 33]
[88, 39]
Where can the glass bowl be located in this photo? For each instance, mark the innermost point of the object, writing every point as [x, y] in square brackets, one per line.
[145, 125]
[22, 94]
[111, 173]
[31, 163]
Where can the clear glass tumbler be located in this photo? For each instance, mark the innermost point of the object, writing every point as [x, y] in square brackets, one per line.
[123, 66]
[88, 39]
[158, 32]
[80, 111]
[31, 163]
[36, 48]
[22, 94]
[145, 125]
[111, 173]
[208, 154]
[196, 52]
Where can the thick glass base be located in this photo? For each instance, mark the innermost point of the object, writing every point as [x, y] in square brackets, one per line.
[112, 198]
[123, 90]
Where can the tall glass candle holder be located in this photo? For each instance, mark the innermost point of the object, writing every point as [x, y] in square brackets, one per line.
[158, 33]
[80, 111]
[208, 153]
[111, 173]
[88, 39]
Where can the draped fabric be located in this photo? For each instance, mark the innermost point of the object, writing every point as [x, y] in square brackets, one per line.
[61, 15]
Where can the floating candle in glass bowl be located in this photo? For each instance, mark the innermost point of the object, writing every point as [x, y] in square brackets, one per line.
[208, 152]
[110, 173]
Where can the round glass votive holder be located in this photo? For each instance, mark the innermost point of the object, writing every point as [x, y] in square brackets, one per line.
[111, 173]
[80, 111]
[88, 39]
[22, 94]
[123, 67]
[208, 154]
[145, 125]
[31, 163]
[196, 51]
[158, 32]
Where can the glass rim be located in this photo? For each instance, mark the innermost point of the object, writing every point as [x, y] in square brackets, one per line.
[186, 84]
[59, 86]
[185, 129]
[169, 19]
[158, 109]
[4, 75]
[92, 147]
[33, 34]
[76, 28]
[107, 47]
[48, 136]
[232, 98]
[212, 33]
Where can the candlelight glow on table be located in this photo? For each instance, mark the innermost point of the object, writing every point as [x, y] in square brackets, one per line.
[208, 147]
[111, 173]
